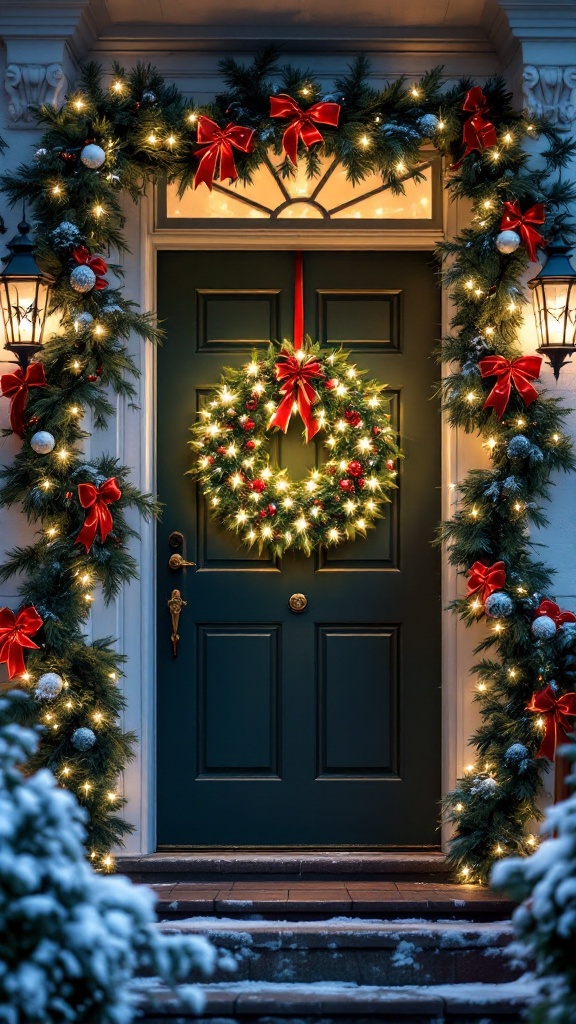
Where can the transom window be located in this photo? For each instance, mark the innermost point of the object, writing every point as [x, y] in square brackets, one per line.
[328, 197]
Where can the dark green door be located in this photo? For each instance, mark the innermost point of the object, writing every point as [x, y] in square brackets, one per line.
[317, 729]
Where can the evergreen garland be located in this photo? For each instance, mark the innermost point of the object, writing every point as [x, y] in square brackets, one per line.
[148, 131]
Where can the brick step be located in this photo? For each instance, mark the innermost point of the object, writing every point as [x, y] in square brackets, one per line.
[319, 900]
[357, 951]
[218, 866]
[323, 1004]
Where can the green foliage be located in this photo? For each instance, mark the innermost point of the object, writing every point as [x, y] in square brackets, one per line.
[148, 131]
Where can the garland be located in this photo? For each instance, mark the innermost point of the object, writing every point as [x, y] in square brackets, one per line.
[110, 140]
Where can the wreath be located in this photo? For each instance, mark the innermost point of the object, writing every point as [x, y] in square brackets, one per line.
[255, 498]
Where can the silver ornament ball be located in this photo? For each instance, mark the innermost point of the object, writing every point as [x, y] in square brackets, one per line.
[507, 242]
[84, 319]
[428, 125]
[499, 605]
[42, 442]
[82, 279]
[48, 686]
[93, 156]
[83, 739]
[544, 627]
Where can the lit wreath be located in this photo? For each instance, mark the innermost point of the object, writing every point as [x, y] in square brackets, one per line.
[259, 501]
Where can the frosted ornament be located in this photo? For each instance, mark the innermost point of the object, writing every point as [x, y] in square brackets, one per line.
[84, 319]
[93, 156]
[42, 442]
[428, 125]
[507, 242]
[499, 605]
[544, 628]
[48, 686]
[518, 447]
[83, 739]
[82, 279]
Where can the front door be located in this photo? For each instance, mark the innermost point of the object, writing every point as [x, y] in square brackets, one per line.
[322, 728]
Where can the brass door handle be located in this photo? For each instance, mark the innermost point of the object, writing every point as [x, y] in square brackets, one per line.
[175, 606]
[177, 562]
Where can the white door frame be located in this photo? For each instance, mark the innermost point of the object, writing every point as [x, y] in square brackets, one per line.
[134, 616]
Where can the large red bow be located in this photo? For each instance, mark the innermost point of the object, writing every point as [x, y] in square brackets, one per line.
[15, 633]
[519, 372]
[302, 126]
[96, 500]
[96, 264]
[15, 386]
[557, 711]
[485, 579]
[514, 218]
[553, 611]
[477, 133]
[218, 143]
[296, 376]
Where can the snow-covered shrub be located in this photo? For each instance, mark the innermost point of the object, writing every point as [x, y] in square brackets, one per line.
[546, 921]
[70, 940]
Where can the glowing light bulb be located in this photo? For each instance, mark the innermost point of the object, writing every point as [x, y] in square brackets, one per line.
[63, 454]
[74, 410]
[113, 675]
[46, 484]
[86, 786]
[474, 513]
[152, 139]
[470, 397]
[301, 524]
[281, 484]
[98, 210]
[75, 365]
[487, 204]
[52, 531]
[415, 92]
[400, 167]
[468, 769]
[361, 524]
[66, 770]
[118, 87]
[288, 502]
[459, 807]
[98, 716]
[333, 534]
[555, 438]
[481, 687]
[79, 104]
[56, 190]
[489, 331]
[465, 872]
[252, 369]
[88, 598]
[111, 795]
[192, 118]
[171, 141]
[365, 141]
[441, 124]
[475, 604]
[235, 480]
[267, 532]
[469, 284]
[491, 443]
[508, 138]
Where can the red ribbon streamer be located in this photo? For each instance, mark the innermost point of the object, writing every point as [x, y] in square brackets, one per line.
[553, 611]
[485, 579]
[519, 372]
[96, 264]
[15, 633]
[302, 126]
[15, 386]
[296, 376]
[98, 519]
[218, 150]
[477, 133]
[514, 218]
[557, 711]
[298, 301]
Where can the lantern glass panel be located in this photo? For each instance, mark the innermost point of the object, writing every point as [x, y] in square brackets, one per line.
[24, 303]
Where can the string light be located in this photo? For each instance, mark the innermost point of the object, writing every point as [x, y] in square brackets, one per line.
[118, 87]
[79, 104]
[415, 92]
[171, 141]
[152, 139]
[192, 118]
[63, 454]
[459, 807]
[365, 141]
[98, 210]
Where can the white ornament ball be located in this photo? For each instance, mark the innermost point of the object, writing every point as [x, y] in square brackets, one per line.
[543, 627]
[84, 319]
[428, 125]
[507, 242]
[82, 279]
[48, 686]
[93, 156]
[42, 442]
[499, 605]
[83, 739]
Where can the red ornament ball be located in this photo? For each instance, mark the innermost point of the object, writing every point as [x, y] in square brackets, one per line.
[353, 417]
[271, 509]
[263, 513]
[221, 449]
[390, 464]
[250, 445]
[92, 377]
[210, 460]
[361, 482]
[330, 384]
[354, 468]
[248, 425]
[252, 404]
[257, 485]
[319, 502]
[347, 486]
[376, 431]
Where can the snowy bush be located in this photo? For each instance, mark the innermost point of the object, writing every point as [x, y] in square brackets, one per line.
[546, 921]
[70, 940]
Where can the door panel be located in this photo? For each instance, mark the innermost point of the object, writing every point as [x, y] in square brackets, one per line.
[322, 728]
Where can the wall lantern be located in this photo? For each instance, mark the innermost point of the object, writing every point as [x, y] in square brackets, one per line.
[24, 297]
[554, 301]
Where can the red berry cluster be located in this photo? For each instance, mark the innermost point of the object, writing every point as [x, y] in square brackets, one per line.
[354, 479]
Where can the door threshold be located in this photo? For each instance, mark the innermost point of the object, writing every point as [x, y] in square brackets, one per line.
[174, 865]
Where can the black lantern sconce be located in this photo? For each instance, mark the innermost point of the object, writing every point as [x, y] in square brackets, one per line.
[554, 302]
[24, 297]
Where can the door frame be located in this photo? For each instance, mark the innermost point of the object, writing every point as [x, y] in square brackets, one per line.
[134, 439]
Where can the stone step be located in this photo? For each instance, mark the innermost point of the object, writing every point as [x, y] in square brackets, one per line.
[319, 900]
[358, 951]
[262, 1003]
[218, 866]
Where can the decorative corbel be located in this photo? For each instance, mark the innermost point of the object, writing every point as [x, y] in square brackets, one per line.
[29, 86]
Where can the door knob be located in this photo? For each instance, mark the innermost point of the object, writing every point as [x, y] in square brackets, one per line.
[297, 603]
[177, 562]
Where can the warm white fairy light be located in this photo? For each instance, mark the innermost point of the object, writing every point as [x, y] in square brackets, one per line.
[350, 506]
[365, 141]
[281, 484]
[253, 369]
[267, 532]
[288, 537]
[371, 506]
[118, 86]
[270, 407]
[330, 441]
[300, 355]
[351, 372]
[341, 390]
[52, 531]
[555, 438]
[471, 397]
[330, 359]
[401, 167]
[75, 365]
[252, 535]
[63, 454]
[259, 387]
[333, 534]
[74, 410]
[374, 402]
[468, 769]
[364, 444]
[46, 484]
[171, 141]
[227, 397]
[98, 210]
[255, 497]
[475, 604]
[288, 502]
[311, 485]
[341, 426]
[361, 524]
[213, 429]
[301, 524]
[372, 483]
[235, 480]
[266, 473]
[152, 139]
[231, 451]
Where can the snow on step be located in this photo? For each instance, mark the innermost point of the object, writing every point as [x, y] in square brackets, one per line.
[359, 951]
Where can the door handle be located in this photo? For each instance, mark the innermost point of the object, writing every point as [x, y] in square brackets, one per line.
[175, 606]
[176, 561]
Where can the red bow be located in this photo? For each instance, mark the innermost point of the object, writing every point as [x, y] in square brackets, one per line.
[96, 264]
[514, 218]
[297, 387]
[98, 517]
[553, 611]
[477, 133]
[15, 386]
[557, 711]
[219, 150]
[486, 579]
[302, 127]
[520, 372]
[15, 633]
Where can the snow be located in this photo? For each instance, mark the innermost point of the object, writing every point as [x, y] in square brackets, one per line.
[403, 955]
